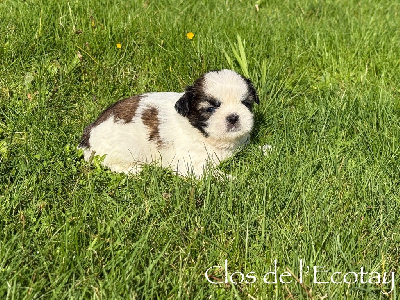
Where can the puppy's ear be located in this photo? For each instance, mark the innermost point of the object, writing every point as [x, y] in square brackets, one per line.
[252, 91]
[255, 95]
[182, 106]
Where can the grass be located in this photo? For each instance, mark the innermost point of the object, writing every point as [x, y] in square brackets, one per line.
[327, 73]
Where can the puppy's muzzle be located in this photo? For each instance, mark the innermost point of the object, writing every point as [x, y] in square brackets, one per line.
[232, 122]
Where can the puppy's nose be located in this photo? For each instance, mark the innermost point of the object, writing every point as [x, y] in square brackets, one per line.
[232, 119]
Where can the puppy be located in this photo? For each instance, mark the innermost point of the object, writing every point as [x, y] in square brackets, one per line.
[186, 131]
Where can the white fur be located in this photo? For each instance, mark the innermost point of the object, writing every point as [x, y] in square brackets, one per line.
[184, 148]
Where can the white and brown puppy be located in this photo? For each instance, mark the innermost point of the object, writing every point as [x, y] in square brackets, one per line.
[185, 131]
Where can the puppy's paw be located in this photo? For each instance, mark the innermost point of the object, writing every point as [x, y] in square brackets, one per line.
[266, 149]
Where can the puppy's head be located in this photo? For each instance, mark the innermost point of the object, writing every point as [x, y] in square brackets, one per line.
[219, 104]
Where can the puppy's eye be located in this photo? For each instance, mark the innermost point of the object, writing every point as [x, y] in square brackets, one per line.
[210, 109]
[248, 104]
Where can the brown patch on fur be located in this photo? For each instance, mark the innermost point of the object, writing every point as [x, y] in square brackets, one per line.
[123, 110]
[151, 120]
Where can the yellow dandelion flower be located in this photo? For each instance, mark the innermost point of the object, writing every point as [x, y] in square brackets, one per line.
[190, 35]
[119, 46]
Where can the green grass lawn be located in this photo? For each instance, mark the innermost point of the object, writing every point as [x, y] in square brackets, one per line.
[327, 196]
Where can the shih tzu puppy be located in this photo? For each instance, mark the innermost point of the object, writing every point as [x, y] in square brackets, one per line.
[186, 131]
